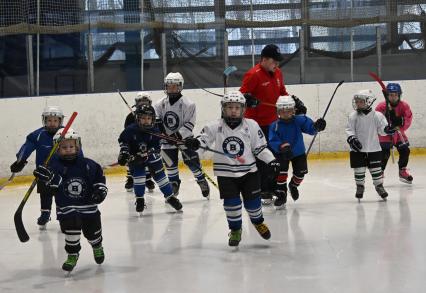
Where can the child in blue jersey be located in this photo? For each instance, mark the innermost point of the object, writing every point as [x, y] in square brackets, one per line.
[41, 141]
[78, 184]
[139, 149]
[286, 140]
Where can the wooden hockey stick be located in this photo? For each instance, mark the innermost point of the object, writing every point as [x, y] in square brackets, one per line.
[323, 116]
[19, 225]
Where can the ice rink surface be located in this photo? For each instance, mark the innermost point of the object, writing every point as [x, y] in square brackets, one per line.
[325, 242]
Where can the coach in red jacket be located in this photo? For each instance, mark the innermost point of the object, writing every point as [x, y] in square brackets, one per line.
[262, 85]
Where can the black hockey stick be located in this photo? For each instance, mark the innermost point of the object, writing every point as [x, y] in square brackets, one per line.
[124, 100]
[323, 116]
[19, 224]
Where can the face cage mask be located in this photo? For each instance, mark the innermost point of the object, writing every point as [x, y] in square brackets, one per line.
[146, 126]
[232, 121]
[74, 156]
[51, 130]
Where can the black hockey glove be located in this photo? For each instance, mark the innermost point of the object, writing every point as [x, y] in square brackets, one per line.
[320, 124]
[274, 167]
[123, 157]
[354, 143]
[17, 166]
[395, 121]
[300, 107]
[389, 130]
[285, 152]
[43, 174]
[99, 193]
[192, 143]
[251, 102]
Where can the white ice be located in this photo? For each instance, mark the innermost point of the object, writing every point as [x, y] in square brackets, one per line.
[325, 242]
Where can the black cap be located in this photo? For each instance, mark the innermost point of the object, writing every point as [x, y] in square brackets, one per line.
[271, 51]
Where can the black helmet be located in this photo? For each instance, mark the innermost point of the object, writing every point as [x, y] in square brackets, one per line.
[145, 110]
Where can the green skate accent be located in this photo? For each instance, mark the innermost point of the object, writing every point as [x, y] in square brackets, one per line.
[99, 255]
[234, 237]
[70, 263]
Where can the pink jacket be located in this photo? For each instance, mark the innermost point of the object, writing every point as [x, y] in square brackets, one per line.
[402, 109]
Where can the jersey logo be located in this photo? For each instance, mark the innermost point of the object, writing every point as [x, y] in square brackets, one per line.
[234, 146]
[266, 83]
[171, 120]
[75, 187]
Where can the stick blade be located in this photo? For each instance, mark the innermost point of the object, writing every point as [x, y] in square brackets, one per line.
[19, 226]
[229, 70]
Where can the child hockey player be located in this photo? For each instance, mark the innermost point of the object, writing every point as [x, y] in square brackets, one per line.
[142, 98]
[237, 136]
[41, 140]
[364, 126]
[78, 184]
[399, 116]
[178, 115]
[286, 140]
[139, 150]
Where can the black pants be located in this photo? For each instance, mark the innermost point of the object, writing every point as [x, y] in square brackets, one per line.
[46, 197]
[72, 226]
[403, 150]
[300, 168]
[248, 186]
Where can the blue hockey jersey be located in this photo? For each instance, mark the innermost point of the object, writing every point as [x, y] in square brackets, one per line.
[40, 141]
[75, 184]
[137, 141]
[290, 132]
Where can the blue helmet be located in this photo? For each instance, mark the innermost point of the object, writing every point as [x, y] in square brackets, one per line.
[394, 88]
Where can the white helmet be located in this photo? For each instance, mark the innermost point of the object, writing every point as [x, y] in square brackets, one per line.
[174, 78]
[71, 134]
[286, 103]
[233, 97]
[367, 96]
[50, 111]
[143, 98]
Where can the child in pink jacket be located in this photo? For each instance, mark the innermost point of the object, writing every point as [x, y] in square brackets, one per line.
[399, 116]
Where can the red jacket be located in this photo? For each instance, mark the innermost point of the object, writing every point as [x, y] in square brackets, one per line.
[402, 109]
[266, 88]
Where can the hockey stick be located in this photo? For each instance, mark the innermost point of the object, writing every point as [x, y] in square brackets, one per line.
[323, 116]
[19, 225]
[124, 100]
[181, 142]
[226, 73]
[13, 173]
[388, 108]
[7, 181]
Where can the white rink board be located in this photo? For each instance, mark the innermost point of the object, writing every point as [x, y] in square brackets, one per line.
[101, 117]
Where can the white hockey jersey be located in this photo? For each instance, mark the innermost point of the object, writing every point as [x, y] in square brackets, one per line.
[246, 141]
[179, 117]
[367, 129]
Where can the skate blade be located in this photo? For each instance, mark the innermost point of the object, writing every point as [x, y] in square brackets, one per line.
[150, 190]
[42, 227]
[129, 189]
[266, 202]
[281, 207]
[359, 200]
[139, 214]
[207, 197]
[405, 181]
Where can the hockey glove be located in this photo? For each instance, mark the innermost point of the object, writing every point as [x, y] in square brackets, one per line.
[395, 121]
[139, 158]
[320, 124]
[285, 152]
[123, 157]
[274, 167]
[192, 143]
[17, 166]
[300, 107]
[46, 176]
[354, 143]
[251, 102]
[389, 130]
[99, 193]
